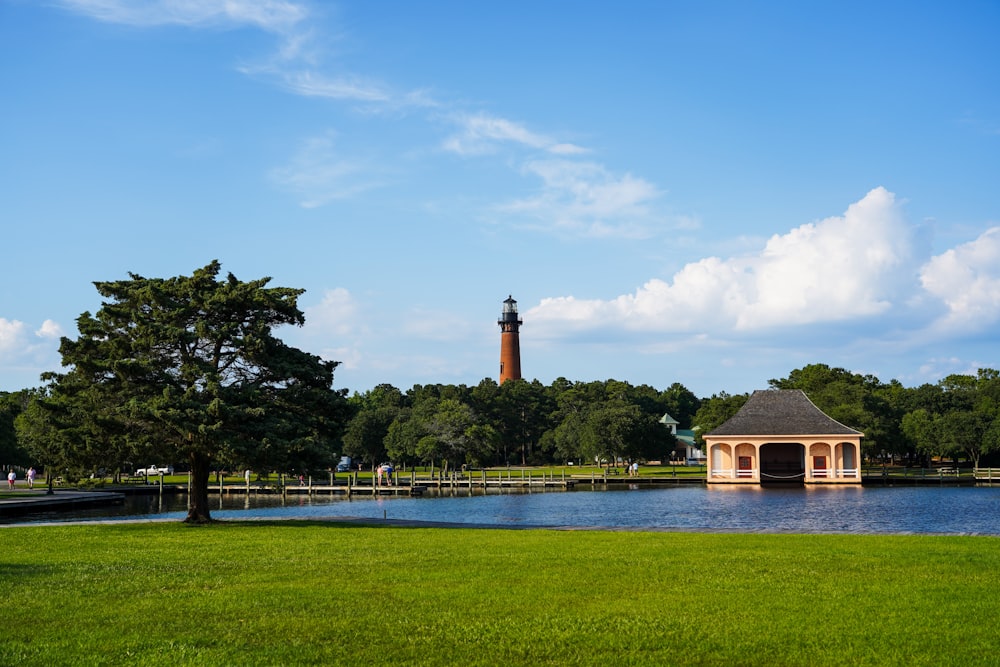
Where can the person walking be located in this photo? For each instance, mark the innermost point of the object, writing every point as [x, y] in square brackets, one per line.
[11, 476]
[31, 477]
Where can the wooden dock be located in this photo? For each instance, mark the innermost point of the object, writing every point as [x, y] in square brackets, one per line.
[414, 485]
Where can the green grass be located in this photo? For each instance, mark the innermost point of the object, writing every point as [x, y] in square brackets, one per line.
[310, 593]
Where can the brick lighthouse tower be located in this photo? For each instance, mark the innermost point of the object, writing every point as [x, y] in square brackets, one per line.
[510, 345]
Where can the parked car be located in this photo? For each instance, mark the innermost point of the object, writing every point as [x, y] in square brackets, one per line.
[153, 471]
[345, 464]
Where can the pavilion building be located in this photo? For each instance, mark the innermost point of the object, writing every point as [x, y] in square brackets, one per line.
[781, 437]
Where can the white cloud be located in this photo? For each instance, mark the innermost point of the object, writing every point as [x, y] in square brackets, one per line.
[481, 133]
[567, 149]
[333, 329]
[310, 84]
[24, 357]
[13, 338]
[50, 329]
[841, 268]
[335, 315]
[585, 198]
[967, 279]
[271, 15]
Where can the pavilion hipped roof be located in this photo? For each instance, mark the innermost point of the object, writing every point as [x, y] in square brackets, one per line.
[781, 412]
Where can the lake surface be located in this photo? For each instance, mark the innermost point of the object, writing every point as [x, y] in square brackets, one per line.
[947, 510]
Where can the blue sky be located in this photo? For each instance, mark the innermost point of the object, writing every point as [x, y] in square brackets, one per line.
[710, 193]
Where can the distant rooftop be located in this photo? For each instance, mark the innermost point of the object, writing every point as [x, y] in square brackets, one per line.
[781, 412]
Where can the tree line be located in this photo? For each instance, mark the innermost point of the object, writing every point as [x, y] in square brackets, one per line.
[516, 423]
[188, 371]
[957, 417]
[526, 423]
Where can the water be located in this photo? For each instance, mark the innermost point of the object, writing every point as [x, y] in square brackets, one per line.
[947, 510]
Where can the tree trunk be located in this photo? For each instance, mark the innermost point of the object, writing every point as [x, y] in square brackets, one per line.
[198, 509]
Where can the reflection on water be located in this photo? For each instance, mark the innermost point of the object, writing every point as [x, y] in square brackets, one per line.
[953, 510]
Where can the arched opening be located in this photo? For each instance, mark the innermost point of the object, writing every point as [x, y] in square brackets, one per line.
[721, 461]
[820, 460]
[847, 459]
[746, 464]
[782, 463]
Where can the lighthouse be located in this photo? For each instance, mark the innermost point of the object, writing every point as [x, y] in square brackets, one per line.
[510, 345]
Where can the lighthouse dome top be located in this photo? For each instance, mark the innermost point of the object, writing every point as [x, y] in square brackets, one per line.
[509, 305]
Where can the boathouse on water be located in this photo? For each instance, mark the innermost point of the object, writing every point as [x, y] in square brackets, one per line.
[781, 437]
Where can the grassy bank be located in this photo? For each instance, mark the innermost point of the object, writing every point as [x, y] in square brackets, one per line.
[308, 593]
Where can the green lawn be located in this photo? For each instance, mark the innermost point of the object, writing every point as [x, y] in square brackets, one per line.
[316, 593]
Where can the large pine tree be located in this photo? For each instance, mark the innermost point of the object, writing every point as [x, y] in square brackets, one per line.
[188, 369]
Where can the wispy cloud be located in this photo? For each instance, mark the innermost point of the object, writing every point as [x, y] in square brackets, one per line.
[581, 197]
[482, 133]
[577, 197]
[311, 84]
[318, 174]
[340, 327]
[334, 328]
[274, 16]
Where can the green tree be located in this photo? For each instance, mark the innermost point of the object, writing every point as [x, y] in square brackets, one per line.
[405, 431]
[12, 451]
[857, 401]
[72, 430]
[450, 427]
[188, 368]
[924, 431]
[522, 419]
[968, 432]
[958, 415]
[605, 433]
[714, 411]
[566, 437]
[374, 412]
